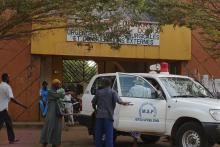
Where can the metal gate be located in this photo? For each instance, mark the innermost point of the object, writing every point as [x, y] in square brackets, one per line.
[78, 72]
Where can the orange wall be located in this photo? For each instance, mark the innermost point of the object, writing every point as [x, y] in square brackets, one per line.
[24, 71]
[201, 61]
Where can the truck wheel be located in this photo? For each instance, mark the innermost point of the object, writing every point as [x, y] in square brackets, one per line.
[191, 134]
[148, 139]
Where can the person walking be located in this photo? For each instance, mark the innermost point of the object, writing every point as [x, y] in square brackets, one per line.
[43, 98]
[104, 104]
[52, 129]
[6, 95]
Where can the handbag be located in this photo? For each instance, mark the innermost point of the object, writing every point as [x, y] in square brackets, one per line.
[60, 109]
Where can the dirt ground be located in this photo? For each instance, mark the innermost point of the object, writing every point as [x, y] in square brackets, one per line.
[75, 137]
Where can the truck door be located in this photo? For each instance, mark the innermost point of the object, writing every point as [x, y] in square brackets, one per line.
[148, 112]
[96, 84]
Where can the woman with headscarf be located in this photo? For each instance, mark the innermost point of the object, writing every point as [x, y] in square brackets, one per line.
[51, 132]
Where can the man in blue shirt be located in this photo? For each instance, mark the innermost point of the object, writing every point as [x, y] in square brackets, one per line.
[104, 104]
[43, 98]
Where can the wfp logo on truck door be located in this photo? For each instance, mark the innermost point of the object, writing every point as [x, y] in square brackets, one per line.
[147, 113]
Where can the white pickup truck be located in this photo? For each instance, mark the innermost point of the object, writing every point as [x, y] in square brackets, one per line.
[174, 106]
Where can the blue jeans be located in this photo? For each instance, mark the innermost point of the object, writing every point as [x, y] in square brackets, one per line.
[104, 126]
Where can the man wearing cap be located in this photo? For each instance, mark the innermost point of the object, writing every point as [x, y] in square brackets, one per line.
[6, 95]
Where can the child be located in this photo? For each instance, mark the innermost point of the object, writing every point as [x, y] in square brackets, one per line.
[69, 108]
[43, 99]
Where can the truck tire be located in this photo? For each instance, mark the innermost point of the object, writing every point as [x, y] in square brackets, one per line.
[148, 139]
[191, 134]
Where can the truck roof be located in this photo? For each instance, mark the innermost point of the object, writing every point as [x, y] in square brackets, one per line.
[155, 75]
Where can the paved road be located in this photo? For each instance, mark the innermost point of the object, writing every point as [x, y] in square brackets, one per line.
[75, 137]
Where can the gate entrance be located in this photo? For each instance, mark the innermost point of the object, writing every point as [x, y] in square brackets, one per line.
[78, 73]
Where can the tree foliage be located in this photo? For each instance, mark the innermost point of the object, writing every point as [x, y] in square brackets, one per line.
[88, 14]
[99, 15]
[194, 14]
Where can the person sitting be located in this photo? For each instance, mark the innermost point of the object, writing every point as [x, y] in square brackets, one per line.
[139, 90]
[43, 98]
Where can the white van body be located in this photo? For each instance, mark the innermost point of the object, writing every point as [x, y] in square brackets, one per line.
[162, 114]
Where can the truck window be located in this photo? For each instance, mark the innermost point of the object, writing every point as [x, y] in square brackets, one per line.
[99, 85]
[156, 85]
[115, 86]
[136, 87]
[179, 87]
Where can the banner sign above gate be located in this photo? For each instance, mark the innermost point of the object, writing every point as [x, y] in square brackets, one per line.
[137, 35]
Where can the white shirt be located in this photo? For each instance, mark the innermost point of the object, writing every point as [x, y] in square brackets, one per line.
[5, 95]
[140, 91]
[68, 98]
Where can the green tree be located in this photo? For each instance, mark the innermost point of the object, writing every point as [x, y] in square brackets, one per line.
[203, 15]
[49, 14]
[89, 14]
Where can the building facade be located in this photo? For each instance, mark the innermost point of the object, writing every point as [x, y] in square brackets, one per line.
[32, 60]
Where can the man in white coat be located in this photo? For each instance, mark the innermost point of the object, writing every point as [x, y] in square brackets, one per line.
[138, 91]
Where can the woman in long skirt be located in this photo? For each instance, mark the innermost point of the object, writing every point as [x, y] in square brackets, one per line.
[51, 132]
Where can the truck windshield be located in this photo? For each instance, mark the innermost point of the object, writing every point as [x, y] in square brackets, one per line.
[184, 88]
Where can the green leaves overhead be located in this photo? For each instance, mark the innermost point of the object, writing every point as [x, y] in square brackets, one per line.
[89, 14]
[195, 14]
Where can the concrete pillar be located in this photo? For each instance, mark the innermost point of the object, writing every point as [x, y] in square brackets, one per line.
[57, 67]
[46, 69]
[101, 67]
